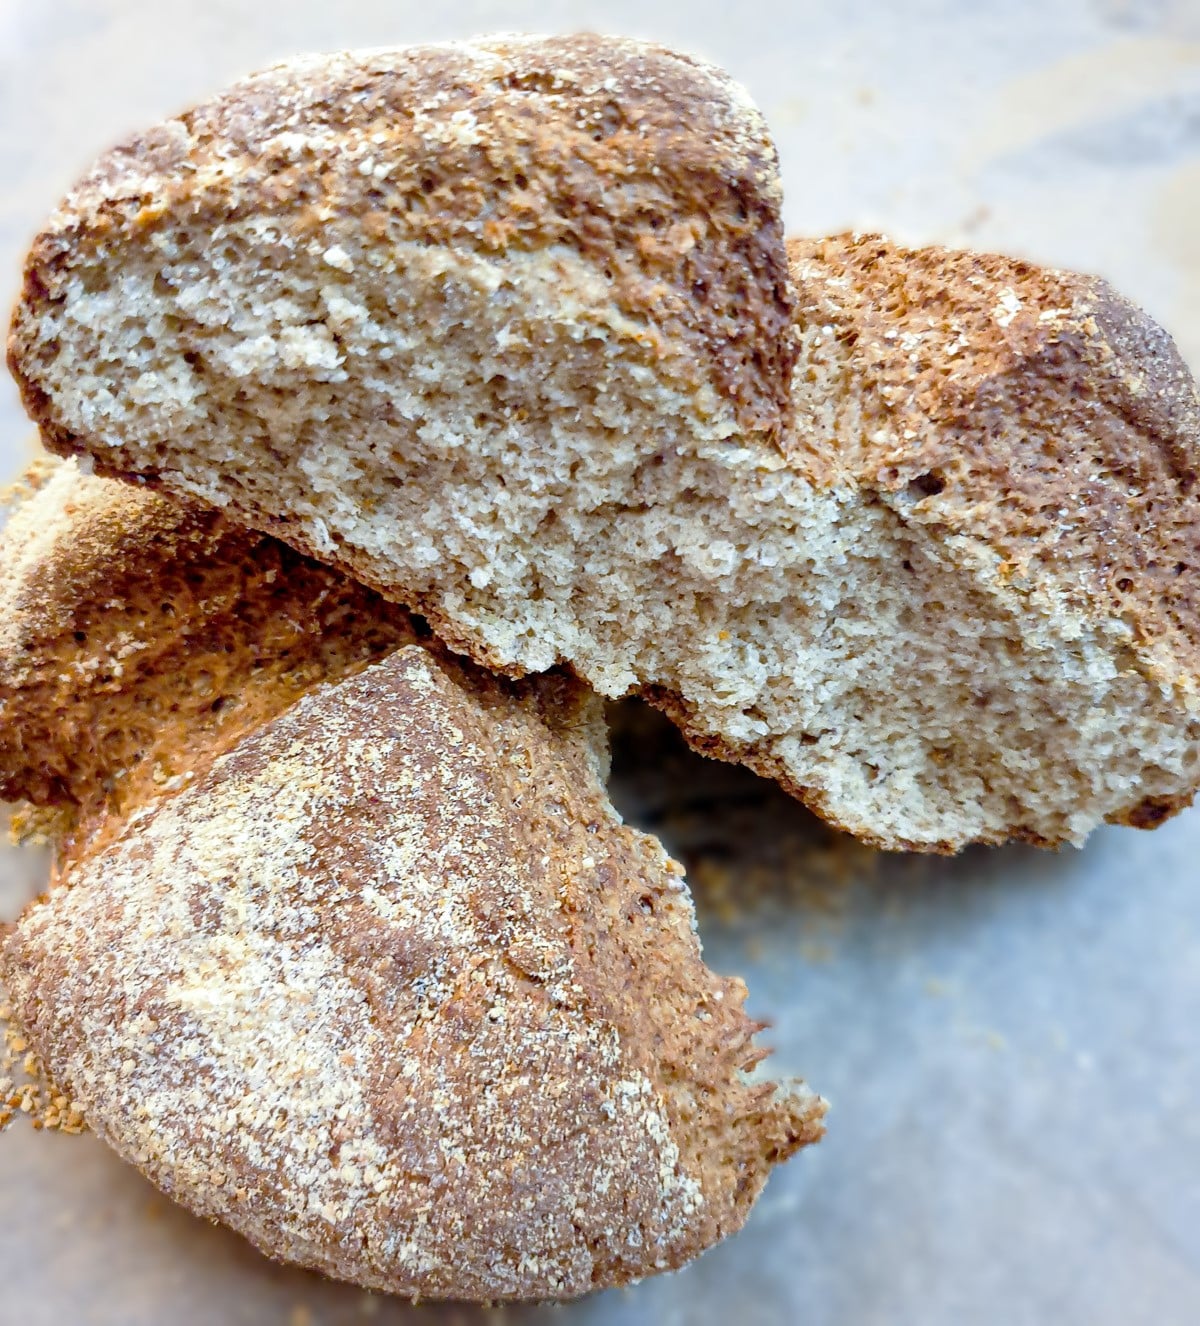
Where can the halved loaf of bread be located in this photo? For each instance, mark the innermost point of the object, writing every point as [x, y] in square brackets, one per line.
[392, 992]
[356, 957]
[506, 331]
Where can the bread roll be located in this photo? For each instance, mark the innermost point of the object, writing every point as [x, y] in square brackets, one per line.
[375, 976]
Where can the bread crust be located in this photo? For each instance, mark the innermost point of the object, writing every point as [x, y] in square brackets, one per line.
[392, 992]
[141, 637]
[653, 167]
[1035, 412]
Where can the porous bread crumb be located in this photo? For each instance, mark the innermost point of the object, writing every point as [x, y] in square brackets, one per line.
[929, 565]
[391, 991]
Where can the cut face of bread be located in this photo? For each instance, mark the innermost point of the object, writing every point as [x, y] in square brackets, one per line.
[392, 992]
[139, 638]
[437, 229]
[943, 588]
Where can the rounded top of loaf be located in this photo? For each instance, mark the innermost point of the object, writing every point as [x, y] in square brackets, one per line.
[654, 167]
[392, 991]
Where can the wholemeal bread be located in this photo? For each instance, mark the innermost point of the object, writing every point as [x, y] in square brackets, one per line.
[367, 968]
[392, 992]
[140, 637]
[918, 540]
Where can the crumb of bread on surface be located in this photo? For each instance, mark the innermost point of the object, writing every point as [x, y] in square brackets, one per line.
[25, 1089]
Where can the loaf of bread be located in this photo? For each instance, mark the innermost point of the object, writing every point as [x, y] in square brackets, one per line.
[369, 970]
[392, 992]
[506, 331]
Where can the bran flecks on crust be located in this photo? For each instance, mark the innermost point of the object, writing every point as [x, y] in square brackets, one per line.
[391, 991]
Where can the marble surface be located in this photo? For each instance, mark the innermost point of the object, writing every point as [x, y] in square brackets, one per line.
[1009, 1039]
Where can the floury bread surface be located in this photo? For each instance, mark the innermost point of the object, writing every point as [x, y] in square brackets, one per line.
[505, 329]
[391, 991]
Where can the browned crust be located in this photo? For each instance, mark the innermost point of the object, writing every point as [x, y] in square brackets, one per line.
[491, 1097]
[653, 167]
[143, 637]
[1153, 811]
[1035, 411]
[605, 891]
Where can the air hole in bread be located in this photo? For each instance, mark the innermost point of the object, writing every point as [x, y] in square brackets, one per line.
[926, 485]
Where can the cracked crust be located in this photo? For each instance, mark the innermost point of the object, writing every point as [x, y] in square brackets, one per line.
[391, 991]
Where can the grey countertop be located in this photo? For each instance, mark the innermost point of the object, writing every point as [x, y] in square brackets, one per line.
[1009, 1039]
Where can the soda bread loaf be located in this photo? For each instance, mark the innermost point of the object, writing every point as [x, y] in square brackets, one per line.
[376, 976]
[392, 992]
[506, 331]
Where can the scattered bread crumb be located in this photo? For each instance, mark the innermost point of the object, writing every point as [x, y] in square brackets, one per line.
[25, 1089]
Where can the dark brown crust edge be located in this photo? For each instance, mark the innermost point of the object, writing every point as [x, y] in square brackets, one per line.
[230, 626]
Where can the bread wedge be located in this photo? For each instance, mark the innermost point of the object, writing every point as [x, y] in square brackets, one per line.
[931, 564]
[391, 991]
